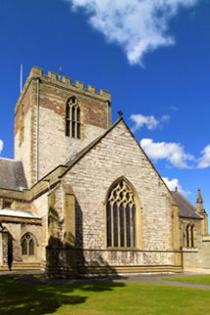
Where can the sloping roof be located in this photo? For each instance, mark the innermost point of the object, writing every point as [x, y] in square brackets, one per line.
[12, 174]
[16, 213]
[187, 210]
[92, 144]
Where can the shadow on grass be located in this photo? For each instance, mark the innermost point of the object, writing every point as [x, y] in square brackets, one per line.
[27, 295]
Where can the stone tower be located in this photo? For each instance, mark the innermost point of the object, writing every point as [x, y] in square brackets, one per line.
[55, 119]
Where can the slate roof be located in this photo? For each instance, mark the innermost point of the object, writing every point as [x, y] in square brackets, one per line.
[187, 210]
[12, 174]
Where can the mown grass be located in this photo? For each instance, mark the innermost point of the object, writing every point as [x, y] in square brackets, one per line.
[25, 297]
[201, 279]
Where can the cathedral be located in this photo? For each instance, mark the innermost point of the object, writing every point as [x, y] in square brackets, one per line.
[81, 197]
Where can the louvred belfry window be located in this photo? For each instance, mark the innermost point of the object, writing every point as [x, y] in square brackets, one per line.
[73, 118]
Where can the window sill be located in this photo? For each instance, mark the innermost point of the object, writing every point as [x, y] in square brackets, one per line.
[190, 250]
[125, 249]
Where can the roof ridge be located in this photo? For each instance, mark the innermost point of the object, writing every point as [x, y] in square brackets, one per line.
[87, 148]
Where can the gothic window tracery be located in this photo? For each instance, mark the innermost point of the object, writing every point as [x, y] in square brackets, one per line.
[121, 216]
[73, 118]
[28, 245]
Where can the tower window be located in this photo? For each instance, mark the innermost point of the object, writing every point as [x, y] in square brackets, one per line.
[73, 118]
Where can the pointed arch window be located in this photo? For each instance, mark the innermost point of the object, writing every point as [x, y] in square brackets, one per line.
[190, 236]
[121, 216]
[73, 118]
[27, 245]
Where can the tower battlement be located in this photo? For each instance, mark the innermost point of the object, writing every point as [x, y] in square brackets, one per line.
[65, 82]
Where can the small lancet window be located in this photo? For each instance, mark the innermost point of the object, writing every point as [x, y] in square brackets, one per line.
[73, 118]
[24, 247]
[190, 236]
[31, 247]
[27, 245]
[121, 217]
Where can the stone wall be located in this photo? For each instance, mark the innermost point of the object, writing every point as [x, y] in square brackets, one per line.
[54, 147]
[198, 259]
[23, 148]
[41, 204]
[119, 155]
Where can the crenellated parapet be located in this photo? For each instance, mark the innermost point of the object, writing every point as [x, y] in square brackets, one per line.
[67, 82]
[63, 82]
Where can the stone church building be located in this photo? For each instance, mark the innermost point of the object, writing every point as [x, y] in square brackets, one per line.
[82, 197]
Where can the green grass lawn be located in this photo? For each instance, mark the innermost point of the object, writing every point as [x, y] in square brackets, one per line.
[24, 298]
[201, 279]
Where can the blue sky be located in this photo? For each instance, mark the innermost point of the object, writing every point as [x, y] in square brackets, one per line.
[153, 56]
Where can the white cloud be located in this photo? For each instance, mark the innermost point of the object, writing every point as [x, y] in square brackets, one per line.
[174, 184]
[1, 146]
[171, 151]
[151, 122]
[138, 26]
[204, 161]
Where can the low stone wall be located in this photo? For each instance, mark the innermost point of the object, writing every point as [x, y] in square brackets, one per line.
[198, 260]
